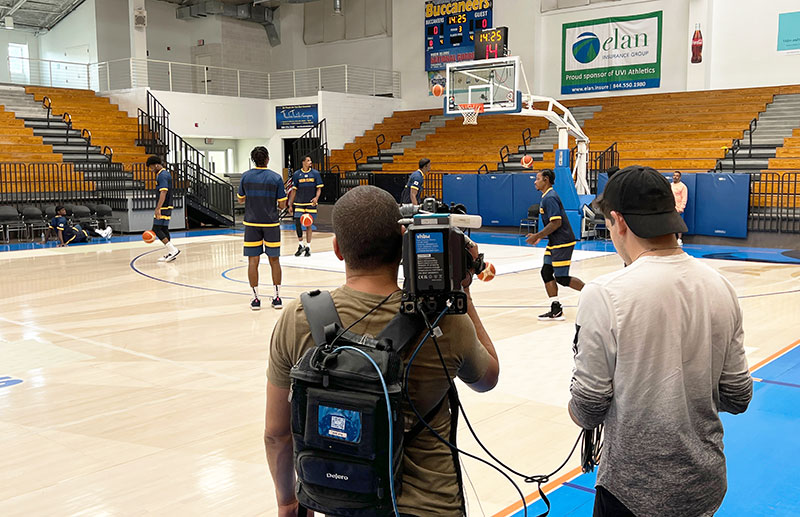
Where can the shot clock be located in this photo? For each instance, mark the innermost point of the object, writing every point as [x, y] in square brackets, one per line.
[491, 43]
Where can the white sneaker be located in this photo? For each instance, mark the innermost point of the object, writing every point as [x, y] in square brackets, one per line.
[172, 256]
[108, 232]
[680, 242]
[164, 258]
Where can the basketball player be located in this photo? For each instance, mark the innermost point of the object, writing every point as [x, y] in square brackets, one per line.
[413, 191]
[68, 234]
[303, 198]
[262, 192]
[561, 243]
[164, 207]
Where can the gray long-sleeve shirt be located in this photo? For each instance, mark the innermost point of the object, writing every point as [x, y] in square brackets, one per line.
[659, 351]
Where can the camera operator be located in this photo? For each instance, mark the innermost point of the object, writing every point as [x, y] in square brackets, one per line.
[368, 237]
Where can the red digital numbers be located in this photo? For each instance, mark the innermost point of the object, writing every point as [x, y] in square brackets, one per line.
[485, 23]
[430, 43]
[435, 29]
[491, 50]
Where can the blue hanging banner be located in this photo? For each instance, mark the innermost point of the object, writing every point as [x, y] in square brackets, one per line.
[297, 116]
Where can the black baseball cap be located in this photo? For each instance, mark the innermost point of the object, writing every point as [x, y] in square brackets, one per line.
[643, 196]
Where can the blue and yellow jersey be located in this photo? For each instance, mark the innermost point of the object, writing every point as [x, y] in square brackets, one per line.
[551, 209]
[305, 185]
[416, 182]
[69, 232]
[164, 183]
[261, 190]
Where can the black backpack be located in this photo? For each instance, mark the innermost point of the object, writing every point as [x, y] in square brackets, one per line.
[340, 423]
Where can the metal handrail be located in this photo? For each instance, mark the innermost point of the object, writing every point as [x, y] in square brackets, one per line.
[526, 137]
[86, 135]
[109, 154]
[356, 158]
[504, 156]
[483, 168]
[48, 105]
[67, 119]
[380, 139]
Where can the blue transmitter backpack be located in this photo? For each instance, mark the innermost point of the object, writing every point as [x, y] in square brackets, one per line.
[340, 419]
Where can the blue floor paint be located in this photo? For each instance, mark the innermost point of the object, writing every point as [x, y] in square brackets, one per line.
[761, 447]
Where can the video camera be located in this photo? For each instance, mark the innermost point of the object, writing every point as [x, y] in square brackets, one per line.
[437, 257]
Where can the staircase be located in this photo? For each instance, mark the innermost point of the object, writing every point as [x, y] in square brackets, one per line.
[375, 163]
[209, 199]
[768, 133]
[544, 143]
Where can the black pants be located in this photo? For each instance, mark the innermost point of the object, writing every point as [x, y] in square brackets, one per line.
[298, 227]
[606, 505]
[161, 231]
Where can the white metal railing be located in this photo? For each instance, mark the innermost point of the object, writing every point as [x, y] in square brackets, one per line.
[208, 80]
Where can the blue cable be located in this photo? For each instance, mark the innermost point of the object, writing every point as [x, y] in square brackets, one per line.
[389, 414]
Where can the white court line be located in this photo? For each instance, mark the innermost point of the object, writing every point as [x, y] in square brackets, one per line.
[107, 414]
[120, 349]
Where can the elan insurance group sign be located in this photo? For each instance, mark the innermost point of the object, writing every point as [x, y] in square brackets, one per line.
[297, 116]
[620, 53]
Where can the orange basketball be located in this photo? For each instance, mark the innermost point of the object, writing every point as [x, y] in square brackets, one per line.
[306, 220]
[437, 90]
[148, 236]
[487, 273]
[527, 161]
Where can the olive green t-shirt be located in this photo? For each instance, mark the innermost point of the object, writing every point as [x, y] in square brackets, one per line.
[430, 486]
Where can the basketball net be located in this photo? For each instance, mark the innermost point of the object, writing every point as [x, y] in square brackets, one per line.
[470, 113]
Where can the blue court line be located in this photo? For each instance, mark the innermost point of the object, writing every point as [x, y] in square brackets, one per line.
[579, 487]
[224, 275]
[779, 383]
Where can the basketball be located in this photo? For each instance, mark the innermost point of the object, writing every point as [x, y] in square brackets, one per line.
[437, 90]
[148, 236]
[527, 161]
[487, 273]
[306, 220]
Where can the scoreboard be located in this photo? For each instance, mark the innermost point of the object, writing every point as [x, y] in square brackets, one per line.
[491, 43]
[450, 30]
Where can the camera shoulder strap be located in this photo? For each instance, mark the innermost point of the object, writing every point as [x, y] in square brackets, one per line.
[320, 312]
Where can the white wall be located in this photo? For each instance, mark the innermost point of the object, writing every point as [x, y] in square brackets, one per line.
[77, 29]
[347, 116]
[745, 42]
[15, 36]
[113, 30]
[375, 52]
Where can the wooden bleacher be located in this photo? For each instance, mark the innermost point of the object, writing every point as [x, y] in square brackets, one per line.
[456, 148]
[394, 128]
[109, 125]
[18, 144]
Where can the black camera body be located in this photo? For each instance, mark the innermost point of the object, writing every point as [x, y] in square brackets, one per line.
[436, 257]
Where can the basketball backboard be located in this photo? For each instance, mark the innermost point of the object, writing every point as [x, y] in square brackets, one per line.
[494, 83]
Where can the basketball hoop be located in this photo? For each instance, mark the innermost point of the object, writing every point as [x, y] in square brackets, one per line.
[470, 113]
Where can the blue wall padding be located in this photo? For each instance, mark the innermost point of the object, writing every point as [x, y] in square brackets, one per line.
[525, 194]
[496, 200]
[691, 202]
[565, 187]
[722, 204]
[602, 179]
[461, 188]
[575, 217]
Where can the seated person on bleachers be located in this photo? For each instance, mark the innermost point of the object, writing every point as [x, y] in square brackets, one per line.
[68, 234]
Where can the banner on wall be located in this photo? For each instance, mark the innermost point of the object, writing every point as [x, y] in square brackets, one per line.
[297, 116]
[789, 32]
[619, 53]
